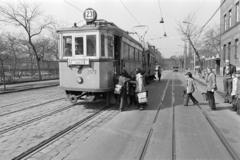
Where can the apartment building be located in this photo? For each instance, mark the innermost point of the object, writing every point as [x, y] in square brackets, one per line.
[230, 31]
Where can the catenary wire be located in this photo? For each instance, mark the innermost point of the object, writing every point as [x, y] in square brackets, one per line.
[129, 12]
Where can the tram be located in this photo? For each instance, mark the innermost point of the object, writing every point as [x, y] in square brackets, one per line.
[92, 54]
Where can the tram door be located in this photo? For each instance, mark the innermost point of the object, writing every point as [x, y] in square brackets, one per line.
[117, 53]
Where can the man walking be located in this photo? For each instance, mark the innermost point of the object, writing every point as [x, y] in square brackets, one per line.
[228, 70]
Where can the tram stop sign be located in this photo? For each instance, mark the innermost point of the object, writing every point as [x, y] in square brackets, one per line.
[90, 15]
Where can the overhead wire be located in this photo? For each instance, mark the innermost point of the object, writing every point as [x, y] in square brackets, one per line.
[130, 13]
[215, 12]
[74, 6]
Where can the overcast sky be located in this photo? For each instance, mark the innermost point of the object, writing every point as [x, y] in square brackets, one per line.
[146, 12]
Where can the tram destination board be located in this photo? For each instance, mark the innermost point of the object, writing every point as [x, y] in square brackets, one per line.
[82, 61]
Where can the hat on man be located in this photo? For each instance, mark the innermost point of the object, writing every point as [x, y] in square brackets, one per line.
[189, 74]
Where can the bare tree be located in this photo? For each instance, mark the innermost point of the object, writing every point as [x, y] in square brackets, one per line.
[211, 40]
[3, 58]
[13, 49]
[191, 34]
[30, 19]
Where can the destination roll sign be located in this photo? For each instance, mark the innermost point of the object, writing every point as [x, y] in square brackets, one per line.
[90, 15]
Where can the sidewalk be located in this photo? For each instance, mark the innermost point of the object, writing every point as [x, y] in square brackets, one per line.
[219, 80]
[226, 120]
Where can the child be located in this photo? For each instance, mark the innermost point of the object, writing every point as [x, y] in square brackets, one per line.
[190, 88]
[235, 90]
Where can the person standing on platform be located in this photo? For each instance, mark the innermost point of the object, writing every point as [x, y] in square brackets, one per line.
[122, 81]
[211, 88]
[139, 85]
[159, 71]
[228, 70]
[236, 90]
[190, 88]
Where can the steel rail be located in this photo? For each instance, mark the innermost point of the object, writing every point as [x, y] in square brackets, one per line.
[173, 123]
[146, 143]
[58, 135]
[2, 131]
[27, 89]
[30, 107]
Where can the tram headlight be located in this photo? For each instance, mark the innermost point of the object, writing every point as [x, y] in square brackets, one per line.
[80, 80]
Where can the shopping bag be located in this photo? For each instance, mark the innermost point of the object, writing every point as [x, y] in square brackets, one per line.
[142, 97]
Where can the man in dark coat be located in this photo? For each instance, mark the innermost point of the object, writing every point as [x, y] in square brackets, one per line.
[228, 70]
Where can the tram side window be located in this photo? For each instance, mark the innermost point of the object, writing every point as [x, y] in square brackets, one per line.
[102, 45]
[110, 46]
[79, 46]
[140, 56]
[125, 51]
[131, 52]
[91, 45]
[67, 46]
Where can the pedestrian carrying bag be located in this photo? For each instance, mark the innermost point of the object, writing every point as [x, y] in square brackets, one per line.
[142, 97]
[117, 89]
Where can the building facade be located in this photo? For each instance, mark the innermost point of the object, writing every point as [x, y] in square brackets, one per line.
[230, 31]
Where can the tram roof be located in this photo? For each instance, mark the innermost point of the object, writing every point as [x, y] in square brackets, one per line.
[99, 25]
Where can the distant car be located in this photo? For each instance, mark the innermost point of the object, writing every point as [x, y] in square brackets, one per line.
[175, 69]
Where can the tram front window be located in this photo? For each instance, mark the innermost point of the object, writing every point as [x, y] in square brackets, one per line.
[91, 45]
[67, 46]
[79, 46]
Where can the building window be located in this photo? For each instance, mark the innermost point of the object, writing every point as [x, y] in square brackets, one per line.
[237, 12]
[229, 51]
[224, 52]
[236, 48]
[225, 22]
[230, 18]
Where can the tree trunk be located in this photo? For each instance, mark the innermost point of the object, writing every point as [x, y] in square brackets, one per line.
[4, 78]
[37, 59]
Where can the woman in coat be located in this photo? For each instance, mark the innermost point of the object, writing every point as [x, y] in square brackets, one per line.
[190, 88]
[139, 85]
[211, 88]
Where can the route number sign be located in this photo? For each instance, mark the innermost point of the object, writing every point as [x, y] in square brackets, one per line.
[90, 15]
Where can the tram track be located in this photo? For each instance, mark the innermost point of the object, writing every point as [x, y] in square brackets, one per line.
[14, 127]
[45, 143]
[220, 135]
[31, 107]
[173, 123]
[149, 135]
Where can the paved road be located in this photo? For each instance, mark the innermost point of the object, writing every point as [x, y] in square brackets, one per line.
[175, 132]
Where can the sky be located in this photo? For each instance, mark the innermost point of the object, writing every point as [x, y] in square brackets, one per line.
[127, 14]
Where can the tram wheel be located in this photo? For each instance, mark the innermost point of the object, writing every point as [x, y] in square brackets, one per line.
[73, 99]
